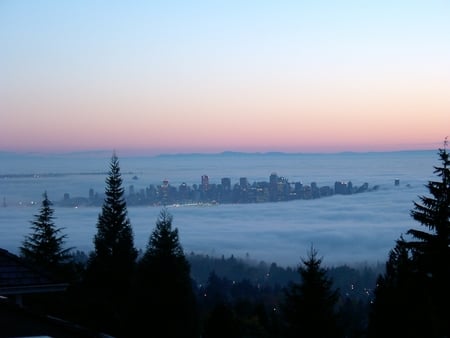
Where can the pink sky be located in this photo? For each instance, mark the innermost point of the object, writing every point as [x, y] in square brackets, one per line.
[254, 77]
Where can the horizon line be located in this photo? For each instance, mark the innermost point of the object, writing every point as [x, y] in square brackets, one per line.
[140, 153]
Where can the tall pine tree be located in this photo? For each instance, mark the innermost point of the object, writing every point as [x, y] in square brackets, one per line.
[165, 300]
[114, 256]
[412, 296]
[309, 306]
[399, 308]
[431, 247]
[111, 265]
[45, 246]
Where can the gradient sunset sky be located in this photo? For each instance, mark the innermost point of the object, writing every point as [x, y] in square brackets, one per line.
[157, 77]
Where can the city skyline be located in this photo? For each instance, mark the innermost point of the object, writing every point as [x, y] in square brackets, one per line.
[205, 77]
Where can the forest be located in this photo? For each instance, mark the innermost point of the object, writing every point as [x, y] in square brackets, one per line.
[163, 291]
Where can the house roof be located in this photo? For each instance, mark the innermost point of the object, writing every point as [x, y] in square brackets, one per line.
[16, 277]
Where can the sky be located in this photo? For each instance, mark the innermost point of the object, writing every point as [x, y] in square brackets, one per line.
[151, 77]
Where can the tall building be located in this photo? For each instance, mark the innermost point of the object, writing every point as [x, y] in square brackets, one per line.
[273, 187]
[205, 182]
[273, 179]
[226, 183]
[340, 188]
[243, 182]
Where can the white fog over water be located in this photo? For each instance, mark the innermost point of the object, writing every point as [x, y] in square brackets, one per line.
[348, 229]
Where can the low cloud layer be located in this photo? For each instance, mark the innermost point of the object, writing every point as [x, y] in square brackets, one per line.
[344, 229]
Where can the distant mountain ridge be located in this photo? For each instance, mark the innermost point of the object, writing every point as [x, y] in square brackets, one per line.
[280, 153]
[227, 153]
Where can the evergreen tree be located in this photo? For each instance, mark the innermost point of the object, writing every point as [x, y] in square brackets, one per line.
[110, 266]
[44, 247]
[165, 299]
[431, 249]
[221, 322]
[399, 308]
[309, 306]
[412, 296]
[114, 255]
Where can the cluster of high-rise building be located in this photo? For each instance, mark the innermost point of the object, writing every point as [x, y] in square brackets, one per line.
[277, 189]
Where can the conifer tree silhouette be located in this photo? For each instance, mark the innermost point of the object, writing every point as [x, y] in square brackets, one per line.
[165, 299]
[309, 307]
[111, 265]
[44, 247]
[431, 247]
[412, 296]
